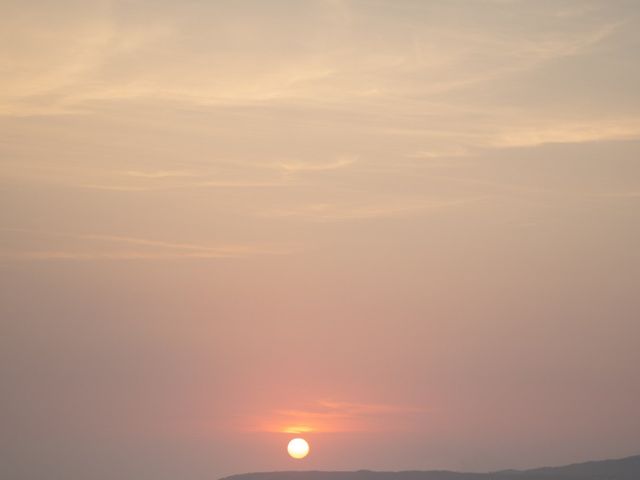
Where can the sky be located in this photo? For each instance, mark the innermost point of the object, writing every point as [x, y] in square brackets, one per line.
[406, 230]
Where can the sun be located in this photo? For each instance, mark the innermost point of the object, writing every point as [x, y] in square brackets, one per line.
[298, 448]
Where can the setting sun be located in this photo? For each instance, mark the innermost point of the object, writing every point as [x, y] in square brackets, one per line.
[298, 448]
[403, 231]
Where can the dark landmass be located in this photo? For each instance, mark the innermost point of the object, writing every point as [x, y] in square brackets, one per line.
[620, 469]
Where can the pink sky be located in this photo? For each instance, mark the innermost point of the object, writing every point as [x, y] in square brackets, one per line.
[406, 229]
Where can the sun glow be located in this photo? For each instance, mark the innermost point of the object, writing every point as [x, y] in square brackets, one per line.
[297, 429]
[298, 448]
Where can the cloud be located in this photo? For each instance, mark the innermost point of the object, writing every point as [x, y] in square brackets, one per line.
[329, 58]
[329, 416]
[160, 173]
[299, 166]
[186, 185]
[622, 195]
[110, 247]
[567, 132]
[435, 153]
[393, 207]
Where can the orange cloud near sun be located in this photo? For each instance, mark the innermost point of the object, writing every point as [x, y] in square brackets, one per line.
[327, 416]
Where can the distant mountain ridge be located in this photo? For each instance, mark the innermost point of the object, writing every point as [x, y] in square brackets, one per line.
[619, 469]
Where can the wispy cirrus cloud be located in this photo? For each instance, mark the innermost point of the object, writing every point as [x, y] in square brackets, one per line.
[570, 131]
[395, 207]
[81, 247]
[181, 186]
[212, 174]
[330, 416]
[354, 67]
[160, 173]
[153, 180]
[293, 166]
[630, 195]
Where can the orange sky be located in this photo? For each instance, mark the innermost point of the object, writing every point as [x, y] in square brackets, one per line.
[406, 228]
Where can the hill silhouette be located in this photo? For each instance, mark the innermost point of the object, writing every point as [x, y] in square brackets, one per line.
[619, 469]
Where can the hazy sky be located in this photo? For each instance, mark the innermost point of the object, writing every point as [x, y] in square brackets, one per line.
[407, 228]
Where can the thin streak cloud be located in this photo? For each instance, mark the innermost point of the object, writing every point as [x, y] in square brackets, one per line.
[153, 249]
[293, 167]
[333, 212]
[328, 416]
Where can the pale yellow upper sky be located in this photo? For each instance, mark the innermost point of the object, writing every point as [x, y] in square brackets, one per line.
[408, 224]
